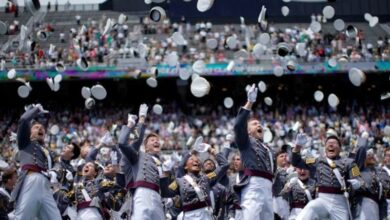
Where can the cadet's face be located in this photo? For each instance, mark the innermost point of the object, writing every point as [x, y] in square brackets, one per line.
[237, 164]
[386, 159]
[282, 160]
[193, 164]
[84, 151]
[153, 145]
[370, 160]
[109, 170]
[332, 148]
[255, 129]
[38, 133]
[67, 152]
[208, 166]
[89, 170]
[303, 174]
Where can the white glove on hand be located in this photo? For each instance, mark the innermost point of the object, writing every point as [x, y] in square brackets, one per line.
[53, 177]
[12, 137]
[362, 142]
[143, 110]
[114, 157]
[106, 139]
[69, 176]
[197, 142]
[355, 184]
[252, 94]
[168, 165]
[169, 203]
[131, 120]
[292, 181]
[230, 138]
[226, 145]
[301, 139]
[41, 110]
[175, 157]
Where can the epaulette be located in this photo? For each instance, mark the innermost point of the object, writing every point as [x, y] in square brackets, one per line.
[310, 160]
[211, 175]
[173, 185]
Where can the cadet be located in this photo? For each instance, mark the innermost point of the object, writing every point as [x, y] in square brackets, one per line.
[386, 183]
[32, 192]
[280, 205]
[8, 180]
[87, 193]
[218, 192]
[194, 187]
[299, 191]
[62, 175]
[147, 171]
[333, 175]
[258, 160]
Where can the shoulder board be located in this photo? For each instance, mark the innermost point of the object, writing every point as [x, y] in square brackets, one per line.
[355, 171]
[310, 160]
[211, 175]
[173, 185]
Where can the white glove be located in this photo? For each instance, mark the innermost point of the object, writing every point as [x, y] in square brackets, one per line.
[114, 157]
[197, 142]
[175, 157]
[53, 177]
[355, 184]
[131, 120]
[252, 94]
[168, 165]
[292, 181]
[41, 110]
[69, 176]
[143, 110]
[230, 138]
[226, 145]
[169, 203]
[301, 139]
[106, 139]
[202, 148]
[12, 137]
[362, 142]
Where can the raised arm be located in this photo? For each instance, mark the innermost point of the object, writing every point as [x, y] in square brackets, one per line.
[131, 151]
[24, 128]
[240, 126]
[92, 154]
[241, 129]
[361, 153]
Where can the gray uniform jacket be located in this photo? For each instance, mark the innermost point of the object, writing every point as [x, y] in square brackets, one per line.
[323, 173]
[279, 182]
[254, 154]
[130, 152]
[296, 195]
[187, 193]
[30, 152]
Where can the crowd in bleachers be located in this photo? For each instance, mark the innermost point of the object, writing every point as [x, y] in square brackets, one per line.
[87, 38]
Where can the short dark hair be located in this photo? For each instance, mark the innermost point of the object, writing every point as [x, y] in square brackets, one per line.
[7, 175]
[76, 150]
[335, 138]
